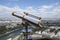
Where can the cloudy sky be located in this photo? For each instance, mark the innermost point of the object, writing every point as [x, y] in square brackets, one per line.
[41, 8]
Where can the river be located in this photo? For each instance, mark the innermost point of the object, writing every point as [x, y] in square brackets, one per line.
[11, 35]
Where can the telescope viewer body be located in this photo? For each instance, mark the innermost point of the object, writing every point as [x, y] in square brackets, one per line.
[32, 15]
[29, 19]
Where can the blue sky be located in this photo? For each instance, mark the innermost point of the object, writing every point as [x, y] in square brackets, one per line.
[43, 8]
[27, 3]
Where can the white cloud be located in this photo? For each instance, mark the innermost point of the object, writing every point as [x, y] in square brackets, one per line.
[6, 11]
[30, 10]
[49, 11]
[45, 11]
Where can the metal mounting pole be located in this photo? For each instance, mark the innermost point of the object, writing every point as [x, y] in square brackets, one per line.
[26, 28]
[25, 24]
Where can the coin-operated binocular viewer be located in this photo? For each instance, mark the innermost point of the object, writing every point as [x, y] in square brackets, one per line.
[28, 19]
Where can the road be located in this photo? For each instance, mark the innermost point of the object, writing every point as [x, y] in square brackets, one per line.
[11, 35]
